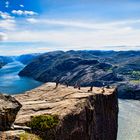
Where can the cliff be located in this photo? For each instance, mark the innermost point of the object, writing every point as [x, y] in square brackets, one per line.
[82, 114]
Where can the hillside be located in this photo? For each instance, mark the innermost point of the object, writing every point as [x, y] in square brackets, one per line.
[4, 60]
[26, 58]
[72, 68]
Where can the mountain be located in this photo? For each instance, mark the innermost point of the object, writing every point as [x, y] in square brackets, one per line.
[27, 58]
[5, 59]
[129, 91]
[72, 68]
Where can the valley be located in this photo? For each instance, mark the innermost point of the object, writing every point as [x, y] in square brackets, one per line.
[95, 68]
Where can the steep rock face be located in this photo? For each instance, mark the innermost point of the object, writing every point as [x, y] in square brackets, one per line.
[71, 68]
[83, 115]
[9, 107]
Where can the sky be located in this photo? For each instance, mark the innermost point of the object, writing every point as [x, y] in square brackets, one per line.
[32, 26]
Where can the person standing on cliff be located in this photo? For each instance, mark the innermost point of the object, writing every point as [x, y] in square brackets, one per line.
[79, 86]
[91, 89]
[66, 83]
[103, 90]
[57, 83]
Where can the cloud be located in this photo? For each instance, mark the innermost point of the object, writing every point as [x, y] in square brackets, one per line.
[32, 20]
[23, 13]
[7, 4]
[79, 34]
[8, 24]
[83, 24]
[3, 36]
[21, 5]
[5, 15]
[78, 39]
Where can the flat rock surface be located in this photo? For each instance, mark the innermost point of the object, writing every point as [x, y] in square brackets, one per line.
[61, 101]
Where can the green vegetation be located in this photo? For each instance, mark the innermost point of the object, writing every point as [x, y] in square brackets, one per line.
[136, 73]
[135, 81]
[43, 122]
[110, 70]
[28, 136]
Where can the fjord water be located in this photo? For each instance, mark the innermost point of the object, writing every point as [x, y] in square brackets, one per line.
[11, 83]
[129, 120]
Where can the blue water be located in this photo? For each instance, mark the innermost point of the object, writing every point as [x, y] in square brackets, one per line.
[11, 83]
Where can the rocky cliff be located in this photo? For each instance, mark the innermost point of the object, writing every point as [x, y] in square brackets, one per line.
[83, 114]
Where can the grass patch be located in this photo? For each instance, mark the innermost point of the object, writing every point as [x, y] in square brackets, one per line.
[135, 81]
[28, 136]
[43, 122]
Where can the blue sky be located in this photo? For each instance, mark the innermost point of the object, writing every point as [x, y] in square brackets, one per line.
[30, 26]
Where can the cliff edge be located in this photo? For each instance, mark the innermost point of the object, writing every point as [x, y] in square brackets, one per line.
[83, 114]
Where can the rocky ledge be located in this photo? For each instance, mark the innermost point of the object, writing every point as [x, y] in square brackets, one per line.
[83, 114]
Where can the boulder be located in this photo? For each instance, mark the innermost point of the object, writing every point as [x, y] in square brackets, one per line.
[9, 108]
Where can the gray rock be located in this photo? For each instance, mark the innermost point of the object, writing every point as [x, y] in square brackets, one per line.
[9, 108]
[11, 134]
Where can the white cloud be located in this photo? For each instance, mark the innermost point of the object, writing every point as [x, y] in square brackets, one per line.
[79, 35]
[3, 36]
[32, 20]
[7, 4]
[7, 24]
[83, 24]
[80, 39]
[24, 13]
[5, 15]
[21, 5]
